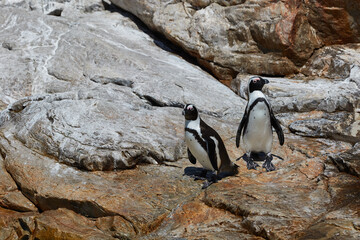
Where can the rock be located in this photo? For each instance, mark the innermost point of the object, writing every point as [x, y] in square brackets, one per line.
[338, 126]
[348, 161]
[197, 220]
[337, 22]
[264, 203]
[337, 62]
[341, 221]
[54, 224]
[91, 132]
[57, 72]
[65, 224]
[263, 200]
[254, 37]
[140, 195]
[10, 196]
[57, 7]
[109, 46]
[16, 201]
[15, 225]
[117, 226]
[110, 130]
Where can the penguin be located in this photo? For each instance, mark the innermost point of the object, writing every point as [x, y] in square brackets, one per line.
[206, 146]
[256, 127]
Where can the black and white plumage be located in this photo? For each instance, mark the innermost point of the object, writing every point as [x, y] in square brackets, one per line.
[205, 145]
[256, 127]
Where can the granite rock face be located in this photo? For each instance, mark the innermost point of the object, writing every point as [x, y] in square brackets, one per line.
[255, 37]
[91, 132]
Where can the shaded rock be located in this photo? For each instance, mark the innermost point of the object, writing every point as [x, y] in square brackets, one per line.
[15, 225]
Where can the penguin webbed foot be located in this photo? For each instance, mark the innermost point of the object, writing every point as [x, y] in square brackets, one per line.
[250, 164]
[268, 164]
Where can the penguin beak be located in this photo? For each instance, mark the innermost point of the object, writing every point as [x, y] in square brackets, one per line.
[266, 81]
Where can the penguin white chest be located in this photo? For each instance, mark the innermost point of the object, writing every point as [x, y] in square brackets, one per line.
[198, 151]
[258, 133]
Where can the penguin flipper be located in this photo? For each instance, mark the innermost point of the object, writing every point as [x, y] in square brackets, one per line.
[275, 123]
[241, 126]
[191, 157]
[210, 145]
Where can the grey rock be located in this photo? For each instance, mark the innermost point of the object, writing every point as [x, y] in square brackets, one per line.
[100, 129]
[340, 126]
[294, 95]
[348, 161]
[57, 7]
[337, 62]
[127, 73]
[104, 48]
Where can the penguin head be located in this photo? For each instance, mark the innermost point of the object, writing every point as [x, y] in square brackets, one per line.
[190, 112]
[257, 83]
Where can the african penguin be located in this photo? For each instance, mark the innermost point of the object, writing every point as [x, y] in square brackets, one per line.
[256, 127]
[206, 146]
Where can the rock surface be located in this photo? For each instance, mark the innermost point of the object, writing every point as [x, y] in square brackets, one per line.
[91, 132]
[257, 37]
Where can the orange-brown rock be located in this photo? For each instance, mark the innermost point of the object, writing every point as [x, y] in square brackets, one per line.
[65, 224]
[196, 220]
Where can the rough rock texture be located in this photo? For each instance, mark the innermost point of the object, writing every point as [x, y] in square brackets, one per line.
[256, 37]
[337, 62]
[91, 132]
